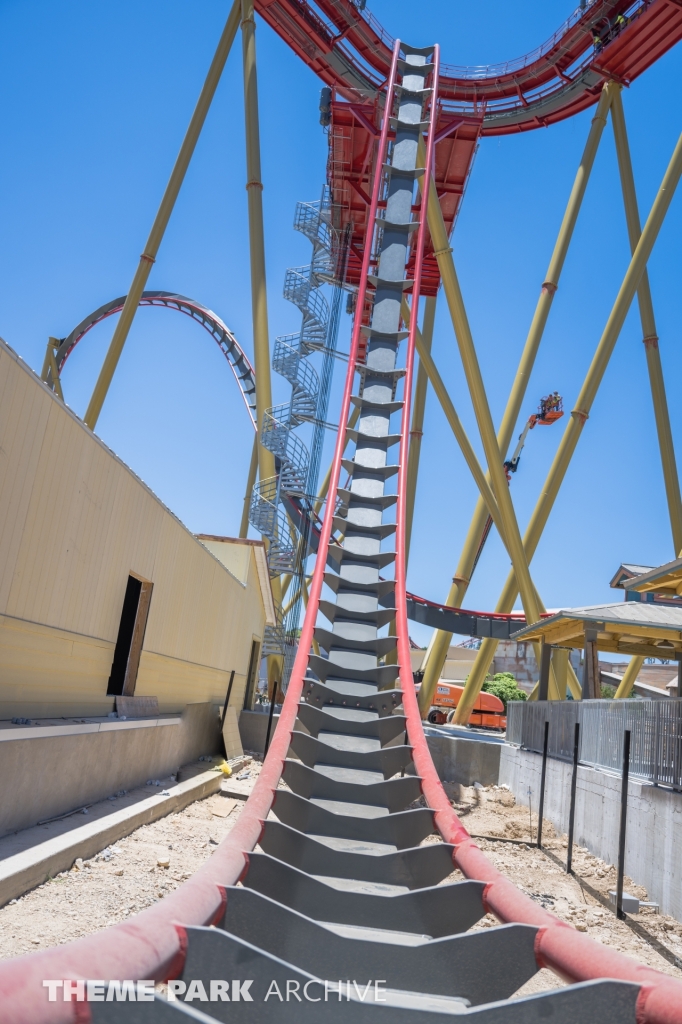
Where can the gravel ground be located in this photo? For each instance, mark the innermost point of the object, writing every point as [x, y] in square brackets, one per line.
[154, 860]
[122, 880]
[492, 812]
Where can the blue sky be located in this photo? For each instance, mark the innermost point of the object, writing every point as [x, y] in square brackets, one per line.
[94, 101]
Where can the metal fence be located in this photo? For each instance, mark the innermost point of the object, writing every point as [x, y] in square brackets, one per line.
[655, 730]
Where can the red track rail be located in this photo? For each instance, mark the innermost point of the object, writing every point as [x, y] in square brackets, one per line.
[351, 52]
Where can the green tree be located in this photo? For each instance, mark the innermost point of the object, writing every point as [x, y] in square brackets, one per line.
[504, 686]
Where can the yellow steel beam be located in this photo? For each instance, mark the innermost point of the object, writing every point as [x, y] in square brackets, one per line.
[560, 665]
[653, 358]
[417, 426]
[250, 481]
[50, 367]
[254, 191]
[650, 338]
[580, 413]
[472, 371]
[162, 217]
[426, 360]
[434, 658]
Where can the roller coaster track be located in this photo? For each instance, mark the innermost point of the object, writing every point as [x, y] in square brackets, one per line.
[351, 52]
[219, 331]
[339, 892]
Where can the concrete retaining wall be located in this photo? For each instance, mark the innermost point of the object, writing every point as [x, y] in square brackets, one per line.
[654, 829]
[465, 761]
[46, 775]
[253, 727]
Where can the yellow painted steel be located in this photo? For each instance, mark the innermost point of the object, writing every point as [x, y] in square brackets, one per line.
[653, 357]
[436, 653]
[629, 677]
[50, 366]
[456, 426]
[580, 413]
[472, 371]
[148, 256]
[250, 481]
[560, 666]
[649, 335]
[417, 426]
[254, 190]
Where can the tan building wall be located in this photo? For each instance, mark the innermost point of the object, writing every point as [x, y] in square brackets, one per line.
[74, 522]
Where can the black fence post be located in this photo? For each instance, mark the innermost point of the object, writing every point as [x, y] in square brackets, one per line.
[227, 699]
[545, 662]
[543, 776]
[571, 815]
[623, 824]
[270, 717]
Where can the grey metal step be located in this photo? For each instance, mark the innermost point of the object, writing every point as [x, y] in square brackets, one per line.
[384, 702]
[214, 954]
[404, 829]
[378, 588]
[345, 611]
[382, 676]
[384, 729]
[379, 646]
[435, 911]
[357, 776]
[384, 501]
[338, 556]
[387, 760]
[343, 741]
[458, 965]
[385, 471]
[346, 526]
[351, 809]
[394, 794]
[415, 868]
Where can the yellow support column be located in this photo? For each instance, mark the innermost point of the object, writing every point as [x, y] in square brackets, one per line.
[580, 413]
[417, 427]
[472, 371]
[50, 371]
[250, 481]
[254, 190]
[629, 677]
[649, 335]
[455, 423]
[151, 249]
[440, 641]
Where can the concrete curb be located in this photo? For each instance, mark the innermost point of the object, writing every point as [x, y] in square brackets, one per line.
[32, 867]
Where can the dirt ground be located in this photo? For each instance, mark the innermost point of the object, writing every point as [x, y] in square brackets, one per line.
[155, 859]
[492, 812]
[125, 878]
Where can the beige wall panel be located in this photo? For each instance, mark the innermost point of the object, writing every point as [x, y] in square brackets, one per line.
[39, 664]
[237, 557]
[176, 683]
[23, 418]
[74, 521]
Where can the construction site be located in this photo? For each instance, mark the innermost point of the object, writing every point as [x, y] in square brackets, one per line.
[248, 775]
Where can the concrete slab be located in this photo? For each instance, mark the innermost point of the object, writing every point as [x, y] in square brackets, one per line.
[28, 858]
[464, 759]
[56, 766]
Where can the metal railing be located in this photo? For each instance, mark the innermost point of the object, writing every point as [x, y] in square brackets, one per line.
[655, 727]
